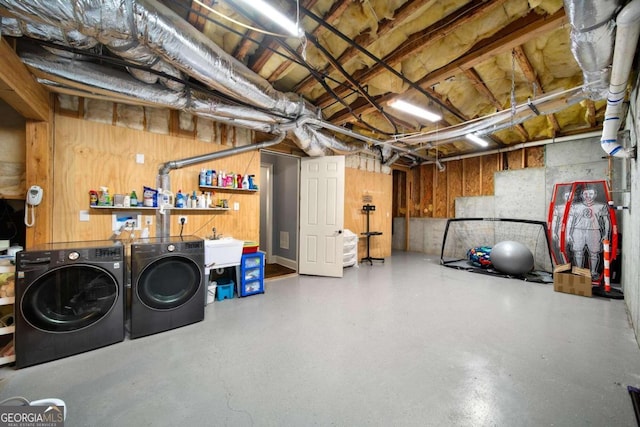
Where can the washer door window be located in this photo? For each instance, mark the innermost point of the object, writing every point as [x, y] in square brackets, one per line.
[168, 283]
[69, 298]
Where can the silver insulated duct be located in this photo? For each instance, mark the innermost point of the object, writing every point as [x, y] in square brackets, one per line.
[592, 39]
[147, 34]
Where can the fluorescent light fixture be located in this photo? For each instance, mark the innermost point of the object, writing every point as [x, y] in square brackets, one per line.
[416, 111]
[277, 17]
[475, 138]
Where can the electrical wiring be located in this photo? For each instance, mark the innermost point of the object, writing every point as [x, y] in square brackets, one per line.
[23, 400]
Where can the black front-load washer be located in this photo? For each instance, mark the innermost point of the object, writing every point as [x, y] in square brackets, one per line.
[69, 299]
[167, 284]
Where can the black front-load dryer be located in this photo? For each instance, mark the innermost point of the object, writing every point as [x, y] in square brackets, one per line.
[69, 299]
[167, 284]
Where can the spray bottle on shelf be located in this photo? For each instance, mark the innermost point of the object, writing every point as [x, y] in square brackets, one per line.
[245, 182]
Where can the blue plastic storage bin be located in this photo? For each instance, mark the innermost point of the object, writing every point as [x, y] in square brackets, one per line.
[224, 289]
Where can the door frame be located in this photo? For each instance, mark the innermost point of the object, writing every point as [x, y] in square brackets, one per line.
[267, 191]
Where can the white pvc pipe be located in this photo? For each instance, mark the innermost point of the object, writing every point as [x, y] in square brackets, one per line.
[518, 147]
[627, 32]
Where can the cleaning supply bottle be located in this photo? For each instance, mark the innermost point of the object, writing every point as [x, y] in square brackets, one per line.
[104, 198]
[93, 198]
[203, 177]
[245, 182]
[202, 201]
[194, 200]
[133, 198]
[252, 184]
[179, 199]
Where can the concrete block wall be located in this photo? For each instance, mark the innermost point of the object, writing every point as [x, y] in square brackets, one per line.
[425, 234]
[520, 194]
[526, 194]
[630, 220]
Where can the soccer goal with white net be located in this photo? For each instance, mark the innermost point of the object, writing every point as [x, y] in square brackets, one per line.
[464, 234]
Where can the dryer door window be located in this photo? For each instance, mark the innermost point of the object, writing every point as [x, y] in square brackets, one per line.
[168, 283]
[69, 298]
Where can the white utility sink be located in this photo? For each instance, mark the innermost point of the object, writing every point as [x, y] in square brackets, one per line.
[221, 253]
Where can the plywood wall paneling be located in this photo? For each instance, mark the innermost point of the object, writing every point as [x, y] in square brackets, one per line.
[40, 172]
[472, 176]
[515, 159]
[415, 192]
[440, 192]
[454, 185]
[406, 215]
[535, 157]
[400, 192]
[490, 165]
[380, 188]
[426, 200]
[89, 155]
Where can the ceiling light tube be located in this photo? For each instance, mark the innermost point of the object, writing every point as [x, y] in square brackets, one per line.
[277, 17]
[416, 111]
[475, 138]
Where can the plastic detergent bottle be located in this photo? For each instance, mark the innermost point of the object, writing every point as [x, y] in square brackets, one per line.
[245, 182]
[252, 184]
[194, 200]
[203, 177]
[179, 199]
[104, 198]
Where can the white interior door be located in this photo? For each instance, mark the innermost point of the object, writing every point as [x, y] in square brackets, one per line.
[321, 216]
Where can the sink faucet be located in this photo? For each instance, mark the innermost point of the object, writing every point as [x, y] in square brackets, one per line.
[215, 235]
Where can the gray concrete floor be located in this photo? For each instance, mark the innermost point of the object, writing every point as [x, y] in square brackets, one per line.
[403, 343]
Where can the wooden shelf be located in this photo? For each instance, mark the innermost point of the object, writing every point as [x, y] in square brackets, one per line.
[7, 330]
[7, 300]
[239, 190]
[136, 208]
[7, 359]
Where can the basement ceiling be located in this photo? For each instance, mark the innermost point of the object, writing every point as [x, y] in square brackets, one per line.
[502, 68]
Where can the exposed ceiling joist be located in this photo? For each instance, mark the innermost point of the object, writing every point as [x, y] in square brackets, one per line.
[18, 87]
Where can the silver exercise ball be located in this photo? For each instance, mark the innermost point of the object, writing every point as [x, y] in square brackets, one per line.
[512, 257]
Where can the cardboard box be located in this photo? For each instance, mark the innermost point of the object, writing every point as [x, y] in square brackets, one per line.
[574, 280]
